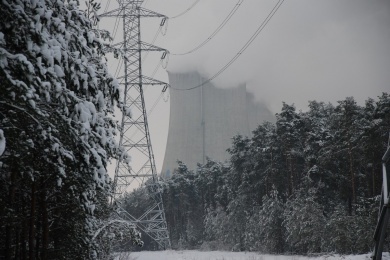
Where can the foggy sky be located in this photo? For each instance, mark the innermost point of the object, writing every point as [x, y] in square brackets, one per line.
[321, 50]
[324, 50]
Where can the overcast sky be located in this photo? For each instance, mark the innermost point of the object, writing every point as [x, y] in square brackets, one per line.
[321, 50]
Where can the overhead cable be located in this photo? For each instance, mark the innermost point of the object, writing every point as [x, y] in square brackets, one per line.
[107, 5]
[241, 51]
[153, 41]
[154, 73]
[224, 22]
[115, 29]
[187, 10]
[118, 67]
[156, 68]
[155, 103]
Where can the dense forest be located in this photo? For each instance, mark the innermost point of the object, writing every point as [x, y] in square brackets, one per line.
[308, 183]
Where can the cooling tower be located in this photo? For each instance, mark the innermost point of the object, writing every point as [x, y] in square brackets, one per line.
[203, 120]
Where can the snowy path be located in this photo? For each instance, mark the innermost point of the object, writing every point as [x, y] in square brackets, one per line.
[218, 255]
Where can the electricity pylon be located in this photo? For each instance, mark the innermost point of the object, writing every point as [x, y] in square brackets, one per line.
[134, 131]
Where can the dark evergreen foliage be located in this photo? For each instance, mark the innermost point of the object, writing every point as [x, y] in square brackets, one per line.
[306, 184]
[56, 105]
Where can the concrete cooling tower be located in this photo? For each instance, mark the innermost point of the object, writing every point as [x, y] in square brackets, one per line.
[203, 120]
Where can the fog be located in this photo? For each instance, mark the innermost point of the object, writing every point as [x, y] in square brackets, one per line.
[321, 50]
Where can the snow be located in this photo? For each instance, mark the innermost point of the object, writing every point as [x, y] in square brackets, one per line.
[91, 36]
[2, 41]
[219, 255]
[32, 103]
[2, 142]
[60, 73]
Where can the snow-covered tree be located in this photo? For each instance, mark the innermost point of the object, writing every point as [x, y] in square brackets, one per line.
[348, 234]
[245, 203]
[347, 134]
[265, 230]
[289, 128]
[56, 101]
[216, 225]
[304, 220]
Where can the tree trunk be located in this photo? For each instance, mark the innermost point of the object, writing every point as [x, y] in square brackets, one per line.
[373, 180]
[353, 184]
[17, 245]
[31, 242]
[270, 176]
[24, 240]
[38, 232]
[8, 253]
[8, 228]
[45, 224]
[290, 169]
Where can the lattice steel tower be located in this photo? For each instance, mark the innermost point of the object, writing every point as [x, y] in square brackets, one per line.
[134, 132]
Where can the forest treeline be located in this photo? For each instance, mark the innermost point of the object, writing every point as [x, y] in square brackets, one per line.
[308, 183]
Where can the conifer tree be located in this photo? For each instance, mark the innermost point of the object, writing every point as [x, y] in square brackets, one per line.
[265, 230]
[56, 104]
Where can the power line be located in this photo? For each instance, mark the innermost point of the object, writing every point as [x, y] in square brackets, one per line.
[150, 111]
[163, 23]
[116, 25]
[153, 41]
[154, 72]
[118, 67]
[187, 10]
[107, 5]
[224, 22]
[155, 103]
[246, 45]
[156, 68]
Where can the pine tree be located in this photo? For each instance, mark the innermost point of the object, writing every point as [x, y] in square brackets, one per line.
[319, 139]
[265, 230]
[348, 132]
[304, 219]
[56, 102]
[289, 128]
[184, 211]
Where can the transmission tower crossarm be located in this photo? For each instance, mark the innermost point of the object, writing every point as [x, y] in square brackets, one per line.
[149, 13]
[145, 81]
[147, 47]
[113, 13]
[142, 12]
[117, 45]
[150, 81]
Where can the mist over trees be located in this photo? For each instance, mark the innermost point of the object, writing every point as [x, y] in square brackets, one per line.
[56, 133]
[307, 184]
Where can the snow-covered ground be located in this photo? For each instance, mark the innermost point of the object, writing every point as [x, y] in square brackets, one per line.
[218, 255]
